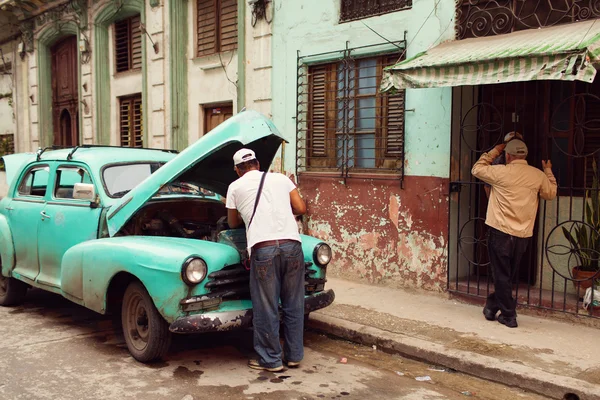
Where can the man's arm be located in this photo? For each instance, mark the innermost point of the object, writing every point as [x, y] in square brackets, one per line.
[549, 186]
[298, 205]
[234, 219]
[483, 168]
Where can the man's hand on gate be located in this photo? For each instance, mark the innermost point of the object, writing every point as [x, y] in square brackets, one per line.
[547, 164]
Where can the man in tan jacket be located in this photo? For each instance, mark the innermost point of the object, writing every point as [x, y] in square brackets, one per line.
[511, 214]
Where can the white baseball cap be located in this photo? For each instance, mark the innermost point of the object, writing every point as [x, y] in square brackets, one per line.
[516, 147]
[243, 155]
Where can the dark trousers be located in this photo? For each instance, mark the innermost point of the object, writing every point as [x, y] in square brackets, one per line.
[505, 253]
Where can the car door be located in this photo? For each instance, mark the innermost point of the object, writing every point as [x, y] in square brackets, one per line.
[25, 213]
[67, 221]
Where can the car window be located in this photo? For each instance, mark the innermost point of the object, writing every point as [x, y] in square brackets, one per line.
[66, 178]
[35, 182]
[120, 179]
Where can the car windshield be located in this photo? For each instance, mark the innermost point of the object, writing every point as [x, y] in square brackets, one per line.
[122, 178]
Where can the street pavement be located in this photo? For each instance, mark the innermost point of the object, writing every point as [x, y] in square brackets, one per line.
[543, 355]
[53, 349]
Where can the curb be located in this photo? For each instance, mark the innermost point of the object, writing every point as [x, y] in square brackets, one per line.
[489, 368]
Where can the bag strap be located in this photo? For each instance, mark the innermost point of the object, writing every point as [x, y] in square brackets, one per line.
[260, 187]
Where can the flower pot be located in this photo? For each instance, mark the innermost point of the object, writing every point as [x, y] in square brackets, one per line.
[580, 275]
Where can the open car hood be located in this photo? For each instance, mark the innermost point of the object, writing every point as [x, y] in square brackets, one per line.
[207, 163]
[13, 164]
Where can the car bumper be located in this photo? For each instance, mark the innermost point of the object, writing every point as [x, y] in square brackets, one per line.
[239, 319]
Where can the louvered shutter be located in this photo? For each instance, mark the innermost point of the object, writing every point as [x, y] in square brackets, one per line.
[228, 25]
[207, 27]
[124, 122]
[131, 122]
[318, 111]
[394, 119]
[136, 42]
[122, 45]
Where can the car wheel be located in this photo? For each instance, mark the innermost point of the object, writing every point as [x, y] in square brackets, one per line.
[12, 291]
[146, 332]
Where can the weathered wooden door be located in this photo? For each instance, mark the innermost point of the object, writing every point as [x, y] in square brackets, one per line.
[65, 99]
[213, 116]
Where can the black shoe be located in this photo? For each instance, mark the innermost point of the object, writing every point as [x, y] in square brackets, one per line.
[510, 322]
[489, 314]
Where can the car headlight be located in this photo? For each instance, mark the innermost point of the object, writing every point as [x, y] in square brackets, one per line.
[193, 270]
[322, 255]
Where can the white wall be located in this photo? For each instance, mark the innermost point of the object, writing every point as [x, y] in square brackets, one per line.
[8, 122]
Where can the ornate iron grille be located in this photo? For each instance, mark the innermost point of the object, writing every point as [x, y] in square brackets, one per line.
[560, 121]
[357, 9]
[477, 18]
[344, 124]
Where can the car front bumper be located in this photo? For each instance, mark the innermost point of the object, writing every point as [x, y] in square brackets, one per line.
[239, 319]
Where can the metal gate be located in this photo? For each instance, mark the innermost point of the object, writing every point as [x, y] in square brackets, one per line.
[559, 121]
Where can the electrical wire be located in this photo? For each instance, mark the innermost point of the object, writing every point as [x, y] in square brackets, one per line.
[225, 68]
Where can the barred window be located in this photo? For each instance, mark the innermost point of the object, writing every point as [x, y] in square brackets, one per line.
[128, 44]
[349, 124]
[130, 121]
[357, 9]
[217, 26]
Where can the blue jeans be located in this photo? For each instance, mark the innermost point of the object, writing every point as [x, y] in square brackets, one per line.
[277, 272]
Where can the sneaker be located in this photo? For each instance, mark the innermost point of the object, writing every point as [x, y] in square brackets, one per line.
[489, 314]
[292, 364]
[509, 322]
[254, 364]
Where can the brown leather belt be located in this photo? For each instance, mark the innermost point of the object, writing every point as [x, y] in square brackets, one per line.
[271, 243]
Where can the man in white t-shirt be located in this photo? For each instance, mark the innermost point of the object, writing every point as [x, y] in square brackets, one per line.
[276, 259]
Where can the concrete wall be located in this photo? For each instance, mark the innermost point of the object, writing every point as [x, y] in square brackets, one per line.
[8, 126]
[379, 231]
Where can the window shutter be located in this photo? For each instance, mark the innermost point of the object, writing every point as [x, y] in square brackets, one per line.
[394, 139]
[124, 122]
[122, 45]
[318, 111]
[138, 126]
[207, 27]
[228, 25]
[131, 123]
[136, 43]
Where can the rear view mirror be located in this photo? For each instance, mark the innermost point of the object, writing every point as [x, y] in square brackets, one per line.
[84, 191]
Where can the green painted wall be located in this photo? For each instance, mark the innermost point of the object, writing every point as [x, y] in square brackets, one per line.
[312, 26]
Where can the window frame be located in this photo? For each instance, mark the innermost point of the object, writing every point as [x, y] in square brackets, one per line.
[57, 182]
[131, 60]
[218, 34]
[329, 161]
[347, 14]
[17, 193]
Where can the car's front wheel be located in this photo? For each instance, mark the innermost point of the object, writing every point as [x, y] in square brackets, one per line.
[12, 291]
[146, 332]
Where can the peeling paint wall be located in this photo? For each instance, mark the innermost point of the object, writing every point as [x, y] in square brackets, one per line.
[381, 233]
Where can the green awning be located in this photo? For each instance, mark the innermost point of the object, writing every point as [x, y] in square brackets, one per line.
[565, 52]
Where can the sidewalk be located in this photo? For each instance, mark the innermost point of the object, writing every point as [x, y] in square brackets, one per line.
[542, 355]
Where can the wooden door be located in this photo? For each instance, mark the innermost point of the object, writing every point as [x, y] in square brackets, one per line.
[214, 115]
[65, 99]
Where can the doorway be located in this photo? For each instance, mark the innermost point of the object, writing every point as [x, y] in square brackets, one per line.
[65, 98]
[215, 115]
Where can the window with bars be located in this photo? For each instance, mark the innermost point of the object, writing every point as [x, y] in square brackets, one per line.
[349, 124]
[217, 26]
[128, 44]
[131, 126]
[357, 9]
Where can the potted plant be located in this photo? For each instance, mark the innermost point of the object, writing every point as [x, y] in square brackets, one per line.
[584, 237]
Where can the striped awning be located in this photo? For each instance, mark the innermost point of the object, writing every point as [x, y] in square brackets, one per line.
[565, 52]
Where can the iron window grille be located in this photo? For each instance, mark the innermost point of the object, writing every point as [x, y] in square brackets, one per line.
[216, 26]
[131, 126]
[495, 17]
[128, 44]
[344, 124]
[357, 9]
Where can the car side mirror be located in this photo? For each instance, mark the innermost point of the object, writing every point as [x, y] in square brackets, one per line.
[84, 191]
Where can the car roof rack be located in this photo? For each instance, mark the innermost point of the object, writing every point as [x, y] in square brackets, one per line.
[91, 146]
[38, 154]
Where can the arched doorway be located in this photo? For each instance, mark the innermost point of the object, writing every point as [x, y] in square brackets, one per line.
[65, 99]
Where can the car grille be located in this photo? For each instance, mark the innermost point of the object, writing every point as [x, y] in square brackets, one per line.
[233, 282]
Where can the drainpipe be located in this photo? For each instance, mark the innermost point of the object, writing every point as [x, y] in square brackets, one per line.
[241, 81]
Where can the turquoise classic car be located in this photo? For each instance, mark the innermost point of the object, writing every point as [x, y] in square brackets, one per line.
[141, 232]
